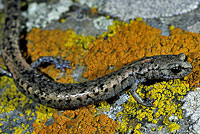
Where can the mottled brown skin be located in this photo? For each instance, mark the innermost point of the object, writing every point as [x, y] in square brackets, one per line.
[46, 91]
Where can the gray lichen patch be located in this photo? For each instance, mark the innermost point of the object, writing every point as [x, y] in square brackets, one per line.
[39, 15]
[116, 108]
[194, 28]
[192, 108]
[1, 5]
[102, 23]
[129, 9]
[92, 3]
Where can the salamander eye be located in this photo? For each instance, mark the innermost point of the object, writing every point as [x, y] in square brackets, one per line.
[176, 68]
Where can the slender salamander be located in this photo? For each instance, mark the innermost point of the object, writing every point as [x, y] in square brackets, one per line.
[46, 91]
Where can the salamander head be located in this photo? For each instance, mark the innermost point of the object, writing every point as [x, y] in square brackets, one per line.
[169, 67]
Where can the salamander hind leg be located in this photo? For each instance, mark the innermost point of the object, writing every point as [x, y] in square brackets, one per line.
[138, 98]
[58, 62]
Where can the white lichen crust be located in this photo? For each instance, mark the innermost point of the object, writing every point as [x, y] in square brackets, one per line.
[102, 22]
[129, 9]
[192, 107]
[39, 15]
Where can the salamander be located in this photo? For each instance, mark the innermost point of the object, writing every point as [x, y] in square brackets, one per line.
[46, 91]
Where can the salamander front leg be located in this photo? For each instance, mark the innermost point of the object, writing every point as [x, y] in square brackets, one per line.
[60, 63]
[138, 98]
[3, 72]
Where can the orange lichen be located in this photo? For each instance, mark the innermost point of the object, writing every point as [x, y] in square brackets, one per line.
[93, 11]
[83, 120]
[133, 41]
[57, 43]
[130, 42]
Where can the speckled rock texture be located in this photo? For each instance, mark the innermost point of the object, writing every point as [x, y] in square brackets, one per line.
[129, 9]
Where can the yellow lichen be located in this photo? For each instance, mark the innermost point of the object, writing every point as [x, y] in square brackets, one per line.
[62, 20]
[166, 105]
[104, 106]
[173, 127]
[11, 97]
[43, 113]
